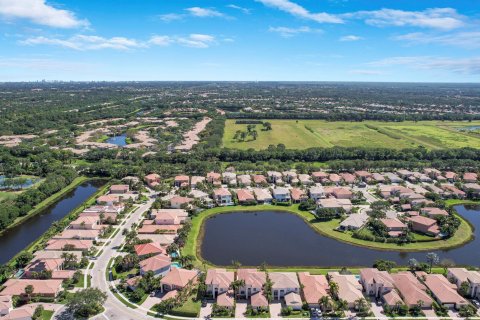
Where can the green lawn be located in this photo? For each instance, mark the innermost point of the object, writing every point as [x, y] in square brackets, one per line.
[190, 309]
[8, 195]
[193, 243]
[47, 314]
[302, 134]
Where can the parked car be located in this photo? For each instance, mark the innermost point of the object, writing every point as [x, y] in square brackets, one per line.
[476, 303]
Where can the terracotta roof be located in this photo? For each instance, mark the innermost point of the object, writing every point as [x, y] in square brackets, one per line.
[78, 233]
[252, 277]
[159, 228]
[152, 176]
[292, 299]
[393, 223]
[313, 286]
[149, 248]
[349, 288]
[258, 178]
[44, 265]
[155, 263]
[443, 290]
[226, 299]
[297, 194]
[411, 289]
[244, 195]
[16, 287]
[284, 280]
[119, 187]
[180, 200]
[373, 275]
[179, 277]
[219, 277]
[262, 194]
[182, 178]
[392, 297]
[59, 244]
[221, 192]
[258, 300]
[466, 275]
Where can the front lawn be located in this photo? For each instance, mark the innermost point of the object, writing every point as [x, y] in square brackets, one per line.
[47, 314]
[191, 308]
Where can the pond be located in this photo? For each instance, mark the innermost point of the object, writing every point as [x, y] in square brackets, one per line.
[16, 183]
[19, 237]
[284, 239]
[120, 140]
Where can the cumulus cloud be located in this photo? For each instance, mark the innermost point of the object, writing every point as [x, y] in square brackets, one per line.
[88, 42]
[299, 11]
[350, 38]
[203, 12]
[457, 65]
[460, 39]
[436, 18]
[39, 12]
[287, 32]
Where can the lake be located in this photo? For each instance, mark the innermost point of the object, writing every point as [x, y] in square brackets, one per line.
[120, 140]
[284, 239]
[19, 237]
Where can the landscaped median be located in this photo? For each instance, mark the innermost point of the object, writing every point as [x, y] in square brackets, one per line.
[327, 228]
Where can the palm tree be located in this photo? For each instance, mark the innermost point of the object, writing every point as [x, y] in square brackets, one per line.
[333, 289]
[325, 303]
[432, 259]
[236, 285]
[342, 304]
[361, 304]
[28, 291]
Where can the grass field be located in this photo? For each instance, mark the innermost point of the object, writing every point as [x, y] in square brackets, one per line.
[302, 134]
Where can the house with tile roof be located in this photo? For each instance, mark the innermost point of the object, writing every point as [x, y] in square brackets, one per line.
[254, 281]
[159, 264]
[284, 283]
[444, 292]
[218, 281]
[178, 279]
[314, 287]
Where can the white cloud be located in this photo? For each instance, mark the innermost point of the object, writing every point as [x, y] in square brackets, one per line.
[234, 6]
[460, 65]
[84, 42]
[196, 40]
[287, 32]
[299, 11]
[350, 38]
[162, 41]
[171, 17]
[37, 11]
[460, 39]
[204, 12]
[436, 18]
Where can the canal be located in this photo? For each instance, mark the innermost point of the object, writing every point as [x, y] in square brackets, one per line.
[19, 237]
[284, 239]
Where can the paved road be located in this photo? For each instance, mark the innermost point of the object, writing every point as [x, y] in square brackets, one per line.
[114, 309]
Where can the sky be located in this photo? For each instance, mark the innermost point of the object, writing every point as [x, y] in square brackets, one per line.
[240, 40]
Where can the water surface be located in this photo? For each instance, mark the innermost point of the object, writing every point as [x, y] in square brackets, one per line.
[120, 140]
[284, 239]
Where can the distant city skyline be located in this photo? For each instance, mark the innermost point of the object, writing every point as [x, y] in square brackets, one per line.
[247, 40]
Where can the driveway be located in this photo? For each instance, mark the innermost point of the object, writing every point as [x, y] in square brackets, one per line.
[240, 309]
[206, 311]
[430, 314]
[377, 310]
[276, 309]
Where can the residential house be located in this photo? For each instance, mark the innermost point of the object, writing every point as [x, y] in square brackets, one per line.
[472, 188]
[354, 221]
[334, 203]
[80, 234]
[284, 283]
[69, 245]
[42, 265]
[222, 197]
[298, 195]
[254, 281]
[181, 181]
[305, 179]
[404, 174]
[314, 287]
[195, 181]
[109, 199]
[319, 176]
[342, 193]
[470, 177]
[317, 193]
[159, 264]
[177, 202]
[145, 250]
[394, 227]
[424, 225]
[451, 176]
[218, 281]
[455, 192]
[214, 178]
[244, 180]
[393, 177]
[119, 189]
[152, 180]
[281, 194]
[275, 177]
[262, 195]
[444, 292]
[41, 288]
[226, 300]
[378, 177]
[348, 177]
[229, 178]
[178, 279]
[258, 301]
[289, 176]
[334, 178]
[259, 180]
[375, 282]
[244, 196]
[349, 288]
[434, 212]
[293, 301]
[169, 216]
[364, 175]
[461, 275]
[411, 290]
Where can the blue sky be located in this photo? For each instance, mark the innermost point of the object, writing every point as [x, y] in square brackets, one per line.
[298, 40]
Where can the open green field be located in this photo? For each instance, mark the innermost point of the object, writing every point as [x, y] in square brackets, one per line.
[302, 134]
